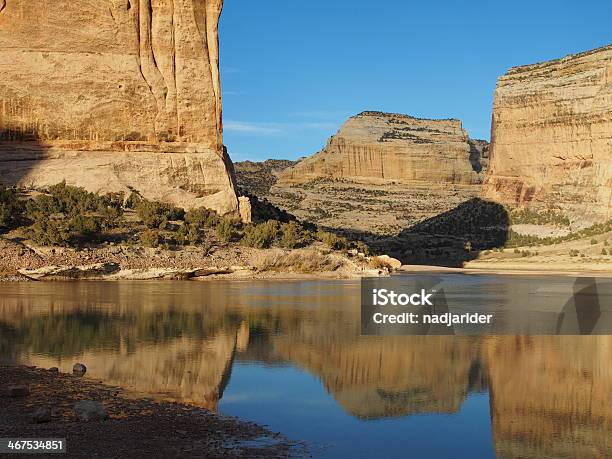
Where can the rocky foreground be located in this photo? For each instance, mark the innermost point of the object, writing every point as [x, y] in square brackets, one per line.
[102, 421]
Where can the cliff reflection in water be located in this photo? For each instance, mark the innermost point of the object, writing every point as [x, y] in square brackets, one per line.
[549, 395]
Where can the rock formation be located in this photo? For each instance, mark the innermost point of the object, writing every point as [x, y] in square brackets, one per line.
[552, 136]
[385, 146]
[115, 95]
[380, 174]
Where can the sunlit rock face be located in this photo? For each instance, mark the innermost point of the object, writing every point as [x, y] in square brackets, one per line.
[551, 143]
[113, 95]
[375, 146]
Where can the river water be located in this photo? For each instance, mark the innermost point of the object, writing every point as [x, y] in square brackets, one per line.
[289, 355]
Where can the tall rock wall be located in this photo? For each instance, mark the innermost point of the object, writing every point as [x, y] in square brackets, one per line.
[552, 136]
[114, 95]
[383, 146]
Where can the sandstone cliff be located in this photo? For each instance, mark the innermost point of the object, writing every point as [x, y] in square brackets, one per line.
[385, 146]
[382, 173]
[114, 95]
[552, 136]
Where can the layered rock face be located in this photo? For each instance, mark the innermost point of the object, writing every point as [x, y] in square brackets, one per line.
[381, 173]
[383, 146]
[114, 95]
[552, 136]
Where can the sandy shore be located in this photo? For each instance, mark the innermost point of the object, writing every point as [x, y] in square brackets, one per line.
[509, 269]
[134, 428]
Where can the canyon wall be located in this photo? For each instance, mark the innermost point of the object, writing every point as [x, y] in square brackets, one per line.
[551, 142]
[380, 174]
[383, 146]
[114, 95]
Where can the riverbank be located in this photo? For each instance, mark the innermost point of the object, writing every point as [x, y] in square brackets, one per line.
[37, 403]
[23, 261]
[508, 269]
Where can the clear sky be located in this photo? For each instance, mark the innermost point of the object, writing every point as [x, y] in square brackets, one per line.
[294, 70]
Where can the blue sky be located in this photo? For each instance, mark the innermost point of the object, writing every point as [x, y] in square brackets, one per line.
[294, 70]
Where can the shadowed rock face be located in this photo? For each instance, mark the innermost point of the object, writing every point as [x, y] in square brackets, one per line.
[552, 136]
[385, 146]
[114, 94]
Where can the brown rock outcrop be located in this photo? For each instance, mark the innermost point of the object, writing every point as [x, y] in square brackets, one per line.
[384, 146]
[552, 136]
[115, 95]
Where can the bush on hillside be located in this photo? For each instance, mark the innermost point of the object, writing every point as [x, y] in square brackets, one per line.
[202, 218]
[226, 229]
[294, 235]
[187, 234]
[133, 200]
[150, 238]
[70, 201]
[155, 214]
[11, 208]
[261, 236]
[333, 241]
[49, 232]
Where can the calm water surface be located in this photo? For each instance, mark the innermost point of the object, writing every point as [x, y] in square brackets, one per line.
[289, 355]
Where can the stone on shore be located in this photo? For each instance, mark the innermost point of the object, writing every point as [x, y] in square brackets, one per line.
[79, 369]
[90, 410]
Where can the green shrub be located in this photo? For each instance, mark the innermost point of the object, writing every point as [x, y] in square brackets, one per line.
[70, 201]
[333, 241]
[541, 217]
[11, 208]
[294, 235]
[593, 241]
[574, 253]
[202, 218]
[299, 261]
[85, 225]
[261, 236]
[187, 234]
[133, 200]
[150, 238]
[49, 232]
[604, 252]
[226, 229]
[155, 214]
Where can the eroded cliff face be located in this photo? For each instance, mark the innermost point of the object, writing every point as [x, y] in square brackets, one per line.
[113, 95]
[385, 146]
[552, 136]
[382, 173]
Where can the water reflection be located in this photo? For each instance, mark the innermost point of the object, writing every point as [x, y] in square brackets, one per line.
[549, 395]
